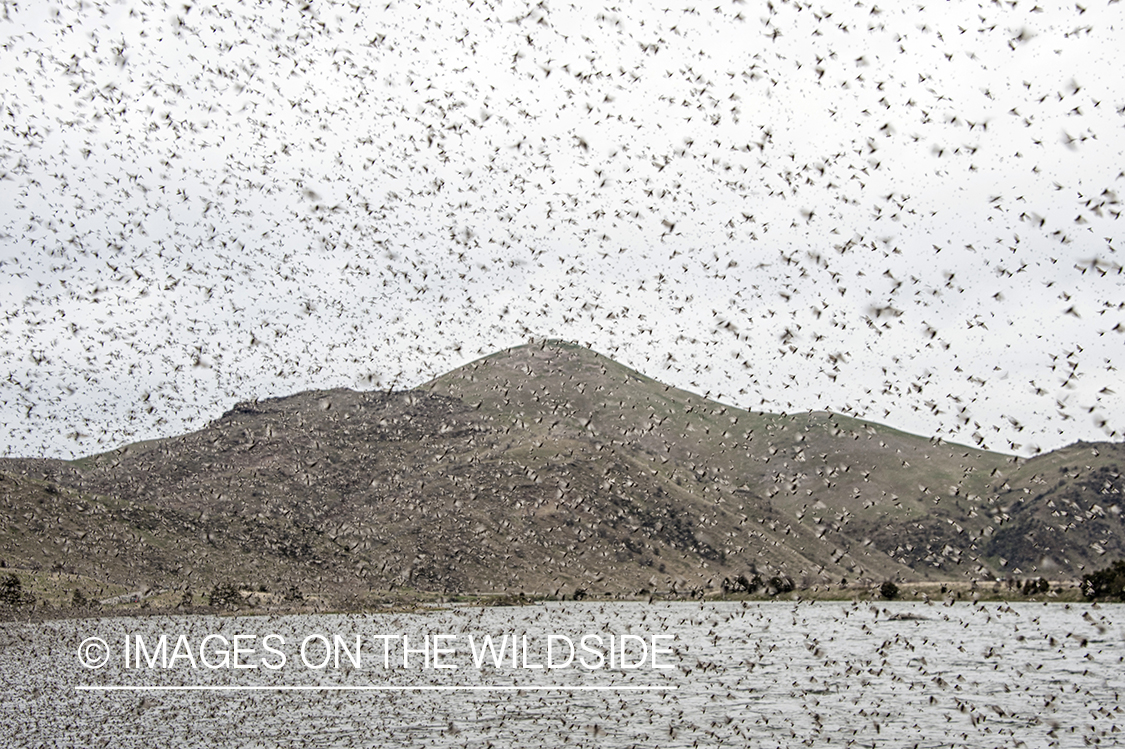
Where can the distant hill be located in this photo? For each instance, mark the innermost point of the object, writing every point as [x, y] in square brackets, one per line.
[548, 469]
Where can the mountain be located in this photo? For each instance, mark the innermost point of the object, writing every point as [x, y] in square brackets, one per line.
[549, 469]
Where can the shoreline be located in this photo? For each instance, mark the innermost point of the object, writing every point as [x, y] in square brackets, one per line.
[1063, 592]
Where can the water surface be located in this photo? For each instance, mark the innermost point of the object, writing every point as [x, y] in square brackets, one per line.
[766, 674]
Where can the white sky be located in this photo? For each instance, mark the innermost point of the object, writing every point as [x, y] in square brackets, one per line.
[906, 213]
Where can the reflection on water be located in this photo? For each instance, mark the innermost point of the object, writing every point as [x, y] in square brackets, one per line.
[772, 674]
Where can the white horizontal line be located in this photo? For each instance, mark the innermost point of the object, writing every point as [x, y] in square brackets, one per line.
[374, 688]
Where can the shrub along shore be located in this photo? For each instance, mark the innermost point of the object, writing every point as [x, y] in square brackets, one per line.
[35, 596]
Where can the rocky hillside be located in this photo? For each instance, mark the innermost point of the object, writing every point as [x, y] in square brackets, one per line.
[547, 469]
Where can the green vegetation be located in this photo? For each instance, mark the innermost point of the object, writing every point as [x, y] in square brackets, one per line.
[1105, 583]
[742, 585]
[225, 596]
[1033, 587]
[12, 593]
[779, 584]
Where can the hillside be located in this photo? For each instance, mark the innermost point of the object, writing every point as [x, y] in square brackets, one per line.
[547, 469]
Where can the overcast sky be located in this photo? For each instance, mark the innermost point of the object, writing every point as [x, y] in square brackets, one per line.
[908, 214]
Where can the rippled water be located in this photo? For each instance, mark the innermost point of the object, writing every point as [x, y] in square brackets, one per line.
[772, 674]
